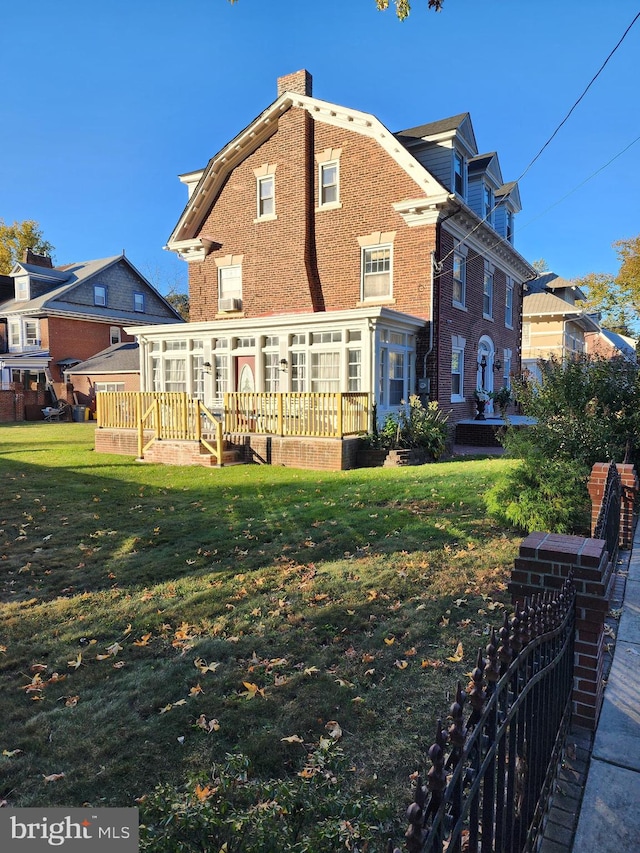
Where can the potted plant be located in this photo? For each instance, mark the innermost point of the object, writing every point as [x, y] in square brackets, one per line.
[502, 399]
[482, 398]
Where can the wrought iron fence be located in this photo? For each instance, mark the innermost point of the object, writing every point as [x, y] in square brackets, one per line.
[491, 776]
[607, 524]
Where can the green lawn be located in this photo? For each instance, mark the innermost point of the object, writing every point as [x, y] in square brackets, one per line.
[154, 619]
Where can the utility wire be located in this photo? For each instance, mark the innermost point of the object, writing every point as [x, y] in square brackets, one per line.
[554, 134]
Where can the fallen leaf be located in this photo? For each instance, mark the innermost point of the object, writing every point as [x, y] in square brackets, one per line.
[459, 654]
[389, 640]
[401, 664]
[10, 753]
[195, 690]
[53, 777]
[143, 641]
[334, 729]
[292, 739]
[252, 690]
[203, 793]
[75, 663]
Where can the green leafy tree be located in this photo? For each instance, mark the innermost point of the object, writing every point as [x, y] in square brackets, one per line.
[14, 239]
[586, 410]
[403, 7]
[180, 302]
[616, 297]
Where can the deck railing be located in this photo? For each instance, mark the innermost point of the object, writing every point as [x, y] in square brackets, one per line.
[324, 415]
[168, 415]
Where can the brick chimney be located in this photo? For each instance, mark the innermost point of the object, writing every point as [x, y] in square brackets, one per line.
[30, 257]
[300, 83]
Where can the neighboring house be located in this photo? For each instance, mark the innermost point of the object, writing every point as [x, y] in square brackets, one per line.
[610, 344]
[327, 253]
[552, 323]
[56, 317]
[116, 368]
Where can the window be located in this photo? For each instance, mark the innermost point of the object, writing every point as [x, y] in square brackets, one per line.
[175, 374]
[221, 376]
[329, 193]
[326, 337]
[458, 174]
[14, 333]
[459, 279]
[488, 204]
[266, 197]
[271, 371]
[108, 386]
[487, 293]
[509, 225]
[197, 370]
[526, 334]
[22, 288]
[354, 382]
[396, 378]
[376, 272]
[138, 302]
[31, 333]
[506, 368]
[114, 335]
[298, 371]
[457, 374]
[508, 304]
[156, 375]
[230, 288]
[99, 295]
[325, 371]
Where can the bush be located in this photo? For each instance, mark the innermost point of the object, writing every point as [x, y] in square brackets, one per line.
[413, 426]
[543, 495]
[316, 811]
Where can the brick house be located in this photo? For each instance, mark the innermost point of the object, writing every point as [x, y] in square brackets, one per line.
[327, 253]
[56, 317]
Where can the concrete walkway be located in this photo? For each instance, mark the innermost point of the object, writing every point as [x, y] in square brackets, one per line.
[609, 820]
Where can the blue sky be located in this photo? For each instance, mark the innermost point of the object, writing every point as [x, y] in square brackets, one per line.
[104, 105]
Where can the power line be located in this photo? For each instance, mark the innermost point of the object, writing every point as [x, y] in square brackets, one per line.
[554, 134]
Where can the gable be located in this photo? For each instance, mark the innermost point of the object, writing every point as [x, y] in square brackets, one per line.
[220, 167]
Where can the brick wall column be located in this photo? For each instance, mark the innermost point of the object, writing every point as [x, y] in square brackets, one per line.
[545, 560]
[630, 485]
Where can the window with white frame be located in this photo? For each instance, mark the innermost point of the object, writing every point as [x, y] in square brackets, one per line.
[506, 368]
[487, 292]
[396, 378]
[197, 370]
[99, 295]
[354, 366]
[298, 371]
[156, 374]
[138, 302]
[508, 303]
[457, 369]
[459, 279]
[114, 335]
[175, 374]
[31, 337]
[329, 187]
[376, 272]
[266, 197]
[325, 371]
[22, 288]
[271, 364]
[230, 288]
[14, 333]
[221, 374]
[108, 386]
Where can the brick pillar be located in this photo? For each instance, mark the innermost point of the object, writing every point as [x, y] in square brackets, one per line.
[630, 486]
[545, 560]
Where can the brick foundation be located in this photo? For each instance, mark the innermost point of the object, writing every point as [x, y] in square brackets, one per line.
[316, 454]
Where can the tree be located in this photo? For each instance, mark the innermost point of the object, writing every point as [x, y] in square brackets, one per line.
[403, 7]
[16, 238]
[616, 297]
[540, 266]
[180, 302]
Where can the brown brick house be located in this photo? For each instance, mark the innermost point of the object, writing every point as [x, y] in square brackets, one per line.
[327, 253]
[56, 317]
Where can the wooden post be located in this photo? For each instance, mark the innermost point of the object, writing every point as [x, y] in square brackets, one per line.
[339, 416]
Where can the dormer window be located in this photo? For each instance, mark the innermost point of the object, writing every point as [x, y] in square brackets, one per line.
[23, 290]
[509, 225]
[459, 174]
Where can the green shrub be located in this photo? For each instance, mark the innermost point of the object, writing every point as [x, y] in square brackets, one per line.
[543, 494]
[316, 811]
[413, 426]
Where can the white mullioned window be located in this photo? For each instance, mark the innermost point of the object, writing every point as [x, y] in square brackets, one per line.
[266, 197]
[325, 371]
[230, 288]
[329, 184]
[298, 362]
[376, 272]
[457, 369]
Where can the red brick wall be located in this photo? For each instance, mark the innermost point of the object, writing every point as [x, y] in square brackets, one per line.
[287, 261]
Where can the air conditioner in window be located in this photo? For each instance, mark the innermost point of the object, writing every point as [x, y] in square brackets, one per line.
[229, 304]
